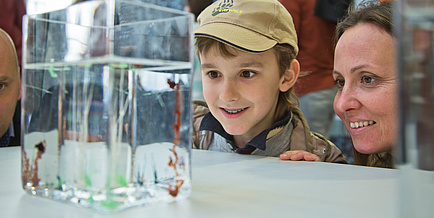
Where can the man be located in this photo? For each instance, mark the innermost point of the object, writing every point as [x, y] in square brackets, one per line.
[10, 86]
[11, 19]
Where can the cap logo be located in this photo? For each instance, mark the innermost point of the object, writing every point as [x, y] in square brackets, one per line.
[225, 7]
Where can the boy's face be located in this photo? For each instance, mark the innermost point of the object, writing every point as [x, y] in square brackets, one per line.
[241, 91]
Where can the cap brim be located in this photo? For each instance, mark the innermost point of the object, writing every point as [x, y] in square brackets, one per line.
[236, 36]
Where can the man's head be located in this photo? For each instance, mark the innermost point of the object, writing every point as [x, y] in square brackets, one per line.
[10, 85]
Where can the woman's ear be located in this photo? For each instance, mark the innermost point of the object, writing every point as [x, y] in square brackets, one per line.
[290, 76]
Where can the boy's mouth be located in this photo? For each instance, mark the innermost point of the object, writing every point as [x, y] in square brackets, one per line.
[233, 111]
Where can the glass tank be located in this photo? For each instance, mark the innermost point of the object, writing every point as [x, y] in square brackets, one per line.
[106, 109]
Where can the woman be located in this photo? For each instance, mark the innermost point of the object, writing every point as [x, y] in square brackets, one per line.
[366, 74]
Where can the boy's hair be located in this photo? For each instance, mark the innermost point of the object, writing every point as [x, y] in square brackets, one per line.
[284, 54]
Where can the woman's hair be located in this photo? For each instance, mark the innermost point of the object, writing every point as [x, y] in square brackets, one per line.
[285, 54]
[372, 12]
[379, 14]
[383, 159]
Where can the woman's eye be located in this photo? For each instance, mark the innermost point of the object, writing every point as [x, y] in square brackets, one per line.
[213, 74]
[367, 79]
[247, 74]
[339, 83]
[2, 86]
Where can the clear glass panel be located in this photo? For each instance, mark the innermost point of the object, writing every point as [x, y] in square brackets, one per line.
[415, 28]
[106, 104]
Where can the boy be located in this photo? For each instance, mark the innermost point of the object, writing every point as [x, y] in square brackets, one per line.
[247, 50]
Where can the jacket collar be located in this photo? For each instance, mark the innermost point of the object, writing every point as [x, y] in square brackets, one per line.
[210, 123]
[4, 140]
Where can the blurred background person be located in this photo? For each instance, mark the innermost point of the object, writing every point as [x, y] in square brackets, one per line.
[315, 23]
[11, 15]
[10, 84]
[195, 7]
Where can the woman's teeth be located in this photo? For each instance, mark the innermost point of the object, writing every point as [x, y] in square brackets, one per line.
[356, 125]
[233, 111]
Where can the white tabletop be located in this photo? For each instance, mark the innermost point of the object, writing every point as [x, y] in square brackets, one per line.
[234, 185]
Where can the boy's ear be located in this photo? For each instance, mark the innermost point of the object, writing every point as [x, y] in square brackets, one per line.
[290, 76]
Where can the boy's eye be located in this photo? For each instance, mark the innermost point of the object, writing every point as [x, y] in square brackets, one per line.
[339, 83]
[213, 74]
[247, 74]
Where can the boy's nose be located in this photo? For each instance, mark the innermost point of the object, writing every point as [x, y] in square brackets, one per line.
[229, 92]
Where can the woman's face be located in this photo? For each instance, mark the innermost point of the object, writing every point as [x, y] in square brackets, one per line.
[366, 74]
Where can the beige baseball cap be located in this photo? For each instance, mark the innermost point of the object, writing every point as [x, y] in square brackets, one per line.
[250, 25]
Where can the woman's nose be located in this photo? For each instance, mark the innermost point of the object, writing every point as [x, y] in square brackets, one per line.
[346, 100]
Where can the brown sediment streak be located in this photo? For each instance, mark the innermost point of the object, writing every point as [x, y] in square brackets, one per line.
[33, 174]
[41, 149]
[26, 168]
[173, 190]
